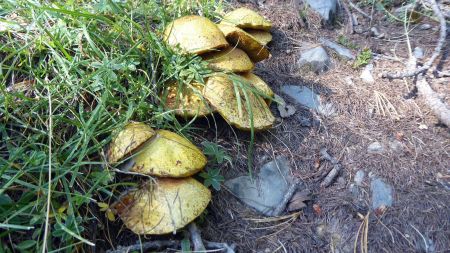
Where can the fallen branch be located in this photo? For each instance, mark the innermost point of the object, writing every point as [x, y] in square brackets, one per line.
[436, 52]
[439, 108]
[350, 17]
[220, 245]
[155, 245]
[354, 6]
[196, 238]
[287, 197]
[334, 172]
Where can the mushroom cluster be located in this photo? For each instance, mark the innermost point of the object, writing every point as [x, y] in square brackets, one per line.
[173, 199]
[232, 46]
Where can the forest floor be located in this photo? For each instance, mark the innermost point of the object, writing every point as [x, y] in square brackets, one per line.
[416, 147]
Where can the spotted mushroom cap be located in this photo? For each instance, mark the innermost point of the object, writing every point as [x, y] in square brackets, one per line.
[167, 155]
[186, 101]
[247, 18]
[128, 140]
[231, 60]
[194, 34]
[221, 93]
[163, 206]
[259, 84]
[243, 40]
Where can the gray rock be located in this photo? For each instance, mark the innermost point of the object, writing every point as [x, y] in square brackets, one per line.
[284, 109]
[381, 194]
[376, 33]
[325, 8]
[359, 177]
[265, 192]
[366, 74]
[418, 53]
[302, 95]
[340, 50]
[424, 27]
[375, 148]
[314, 59]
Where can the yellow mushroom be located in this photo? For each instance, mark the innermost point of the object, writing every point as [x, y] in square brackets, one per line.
[194, 34]
[133, 136]
[262, 36]
[243, 40]
[186, 101]
[167, 154]
[238, 104]
[230, 59]
[259, 84]
[162, 207]
[246, 18]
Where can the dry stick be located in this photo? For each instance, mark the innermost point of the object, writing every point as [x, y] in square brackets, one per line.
[219, 245]
[350, 17]
[334, 172]
[196, 238]
[287, 196]
[155, 245]
[439, 108]
[354, 6]
[436, 52]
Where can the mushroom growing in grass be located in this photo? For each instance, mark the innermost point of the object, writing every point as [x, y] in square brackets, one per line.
[172, 199]
[186, 100]
[246, 19]
[239, 102]
[162, 206]
[229, 60]
[261, 36]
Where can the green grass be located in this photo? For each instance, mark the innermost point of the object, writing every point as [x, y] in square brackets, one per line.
[95, 66]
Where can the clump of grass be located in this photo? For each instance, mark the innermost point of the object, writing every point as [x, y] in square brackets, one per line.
[94, 67]
[363, 58]
[346, 42]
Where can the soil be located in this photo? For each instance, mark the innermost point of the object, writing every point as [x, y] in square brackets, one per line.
[418, 221]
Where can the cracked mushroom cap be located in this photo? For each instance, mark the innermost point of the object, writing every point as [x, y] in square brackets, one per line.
[259, 84]
[187, 101]
[133, 136]
[162, 207]
[246, 18]
[194, 34]
[243, 40]
[167, 154]
[231, 60]
[225, 96]
[262, 36]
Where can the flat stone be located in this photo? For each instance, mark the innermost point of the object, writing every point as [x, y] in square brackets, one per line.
[366, 74]
[375, 148]
[381, 194]
[265, 192]
[315, 59]
[325, 8]
[359, 177]
[418, 53]
[340, 50]
[424, 27]
[302, 95]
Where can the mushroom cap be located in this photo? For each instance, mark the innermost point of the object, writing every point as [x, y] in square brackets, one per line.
[168, 155]
[221, 93]
[133, 136]
[243, 40]
[259, 84]
[162, 207]
[187, 101]
[194, 34]
[231, 59]
[246, 18]
[262, 36]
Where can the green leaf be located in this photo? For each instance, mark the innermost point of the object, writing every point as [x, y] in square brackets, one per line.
[26, 244]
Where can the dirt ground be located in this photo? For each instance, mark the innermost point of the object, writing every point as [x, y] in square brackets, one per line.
[418, 221]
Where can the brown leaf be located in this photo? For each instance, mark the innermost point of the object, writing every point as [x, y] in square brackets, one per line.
[297, 201]
[317, 209]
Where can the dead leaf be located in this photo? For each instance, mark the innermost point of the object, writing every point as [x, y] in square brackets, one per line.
[317, 209]
[297, 201]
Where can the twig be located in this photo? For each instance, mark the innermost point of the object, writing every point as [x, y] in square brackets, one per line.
[49, 192]
[220, 245]
[156, 245]
[350, 17]
[287, 197]
[334, 172]
[354, 6]
[196, 238]
[439, 108]
[436, 52]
